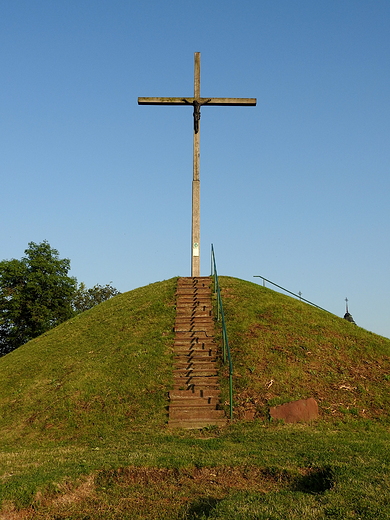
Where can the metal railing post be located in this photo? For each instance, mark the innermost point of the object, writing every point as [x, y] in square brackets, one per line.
[225, 343]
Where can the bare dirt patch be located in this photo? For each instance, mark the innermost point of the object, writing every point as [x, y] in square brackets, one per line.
[184, 493]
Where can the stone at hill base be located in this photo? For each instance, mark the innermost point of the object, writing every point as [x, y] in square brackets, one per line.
[304, 410]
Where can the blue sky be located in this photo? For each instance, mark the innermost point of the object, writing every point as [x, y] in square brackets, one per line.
[295, 189]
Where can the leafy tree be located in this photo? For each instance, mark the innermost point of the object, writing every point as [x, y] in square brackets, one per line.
[36, 294]
[85, 299]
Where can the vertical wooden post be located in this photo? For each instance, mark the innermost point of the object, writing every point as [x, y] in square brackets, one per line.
[195, 254]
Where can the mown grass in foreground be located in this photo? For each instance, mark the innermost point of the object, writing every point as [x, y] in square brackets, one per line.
[247, 471]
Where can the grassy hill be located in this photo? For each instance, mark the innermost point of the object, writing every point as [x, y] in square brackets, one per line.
[107, 370]
[284, 349]
[83, 417]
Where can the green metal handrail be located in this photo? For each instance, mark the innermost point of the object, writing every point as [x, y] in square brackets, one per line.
[286, 290]
[226, 357]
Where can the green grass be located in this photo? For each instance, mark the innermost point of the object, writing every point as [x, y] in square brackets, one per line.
[83, 417]
[247, 471]
[107, 370]
[284, 349]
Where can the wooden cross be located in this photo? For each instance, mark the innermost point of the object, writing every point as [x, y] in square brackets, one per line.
[196, 102]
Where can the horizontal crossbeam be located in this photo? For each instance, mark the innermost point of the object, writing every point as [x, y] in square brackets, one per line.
[201, 101]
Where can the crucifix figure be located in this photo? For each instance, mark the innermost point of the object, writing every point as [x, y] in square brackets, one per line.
[196, 102]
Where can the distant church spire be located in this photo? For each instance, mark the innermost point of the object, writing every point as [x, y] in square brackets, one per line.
[348, 316]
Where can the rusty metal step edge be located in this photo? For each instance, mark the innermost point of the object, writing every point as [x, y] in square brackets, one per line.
[200, 419]
[184, 394]
[187, 290]
[206, 321]
[182, 384]
[203, 323]
[199, 384]
[179, 376]
[183, 358]
[195, 406]
[203, 413]
[196, 401]
[188, 353]
[194, 337]
[194, 373]
[197, 279]
[192, 342]
[196, 386]
[196, 424]
[190, 315]
[191, 365]
[195, 329]
[189, 349]
[195, 347]
[198, 356]
[194, 317]
[195, 379]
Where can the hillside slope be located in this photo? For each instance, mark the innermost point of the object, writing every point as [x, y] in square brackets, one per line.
[108, 371]
[105, 371]
[285, 349]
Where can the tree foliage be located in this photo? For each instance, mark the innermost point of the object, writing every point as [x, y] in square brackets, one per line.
[85, 299]
[36, 294]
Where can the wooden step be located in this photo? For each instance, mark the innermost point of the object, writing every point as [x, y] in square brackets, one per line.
[196, 424]
[180, 365]
[187, 394]
[196, 383]
[194, 326]
[193, 304]
[197, 348]
[195, 354]
[197, 314]
[191, 279]
[193, 291]
[198, 356]
[195, 412]
[201, 311]
[191, 364]
[195, 342]
[191, 386]
[186, 373]
[198, 321]
[197, 336]
[195, 401]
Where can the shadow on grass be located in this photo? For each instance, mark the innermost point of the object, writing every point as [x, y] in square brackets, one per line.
[317, 480]
[201, 508]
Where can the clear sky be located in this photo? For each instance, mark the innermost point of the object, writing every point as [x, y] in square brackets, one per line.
[295, 189]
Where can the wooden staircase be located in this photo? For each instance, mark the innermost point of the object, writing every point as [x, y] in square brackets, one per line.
[195, 399]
